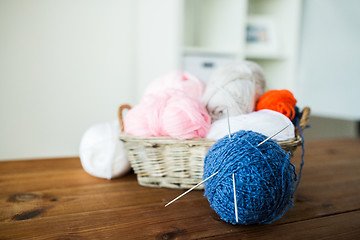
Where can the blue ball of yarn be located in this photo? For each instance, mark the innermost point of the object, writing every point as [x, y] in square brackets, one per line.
[264, 178]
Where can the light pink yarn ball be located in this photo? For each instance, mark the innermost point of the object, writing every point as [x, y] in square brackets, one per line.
[134, 122]
[178, 80]
[172, 114]
[144, 120]
[185, 118]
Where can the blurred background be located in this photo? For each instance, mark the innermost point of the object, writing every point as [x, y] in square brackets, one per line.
[66, 65]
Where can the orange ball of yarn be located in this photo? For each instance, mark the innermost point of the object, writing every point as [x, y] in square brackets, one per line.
[282, 101]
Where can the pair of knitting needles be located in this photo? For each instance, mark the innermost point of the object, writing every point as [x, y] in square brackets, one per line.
[233, 175]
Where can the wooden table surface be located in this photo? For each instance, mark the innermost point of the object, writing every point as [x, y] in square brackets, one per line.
[56, 199]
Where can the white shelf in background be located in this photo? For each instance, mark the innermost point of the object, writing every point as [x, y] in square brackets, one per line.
[208, 51]
[200, 35]
[262, 56]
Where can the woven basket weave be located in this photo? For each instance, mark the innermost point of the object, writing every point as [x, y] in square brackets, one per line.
[172, 163]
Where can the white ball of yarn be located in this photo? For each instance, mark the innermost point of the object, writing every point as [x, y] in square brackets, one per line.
[102, 154]
[266, 122]
[235, 87]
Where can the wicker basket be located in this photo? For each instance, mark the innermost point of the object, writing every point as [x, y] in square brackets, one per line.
[173, 163]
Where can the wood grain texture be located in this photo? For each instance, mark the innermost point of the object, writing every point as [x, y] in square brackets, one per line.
[56, 199]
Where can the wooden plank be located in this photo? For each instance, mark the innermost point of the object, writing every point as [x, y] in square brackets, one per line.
[125, 220]
[340, 226]
[86, 198]
[39, 165]
[190, 221]
[314, 197]
[47, 180]
[100, 194]
[332, 148]
[53, 199]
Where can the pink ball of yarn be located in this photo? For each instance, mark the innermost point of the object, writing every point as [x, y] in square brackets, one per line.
[134, 122]
[170, 114]
[185, 118]
[177, 80]
[144, 120]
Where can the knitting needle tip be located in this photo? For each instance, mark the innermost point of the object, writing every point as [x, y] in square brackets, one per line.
[228, 120]
[190, 189]
[274, 134]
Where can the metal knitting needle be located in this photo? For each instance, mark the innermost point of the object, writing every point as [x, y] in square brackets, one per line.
[273, 135]
[190, 189]
[235, 202]
[228, 120]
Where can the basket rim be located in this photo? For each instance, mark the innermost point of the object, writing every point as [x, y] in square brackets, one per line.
[167, 140]
[297, 140]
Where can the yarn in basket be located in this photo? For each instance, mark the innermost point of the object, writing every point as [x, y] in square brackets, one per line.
[264, 178]
[235, 87]
[144, 119]
[177, 80]
[170, 113]
[264, 121]
[282, 101]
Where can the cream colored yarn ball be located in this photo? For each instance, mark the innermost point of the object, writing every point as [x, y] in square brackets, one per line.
[102, 154]
[235, 87]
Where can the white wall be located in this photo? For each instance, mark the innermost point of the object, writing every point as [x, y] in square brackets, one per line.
[159, 26]
[330, 58]
[64, 65]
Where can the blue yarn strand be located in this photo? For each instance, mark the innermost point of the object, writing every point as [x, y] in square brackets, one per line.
[302, 155]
